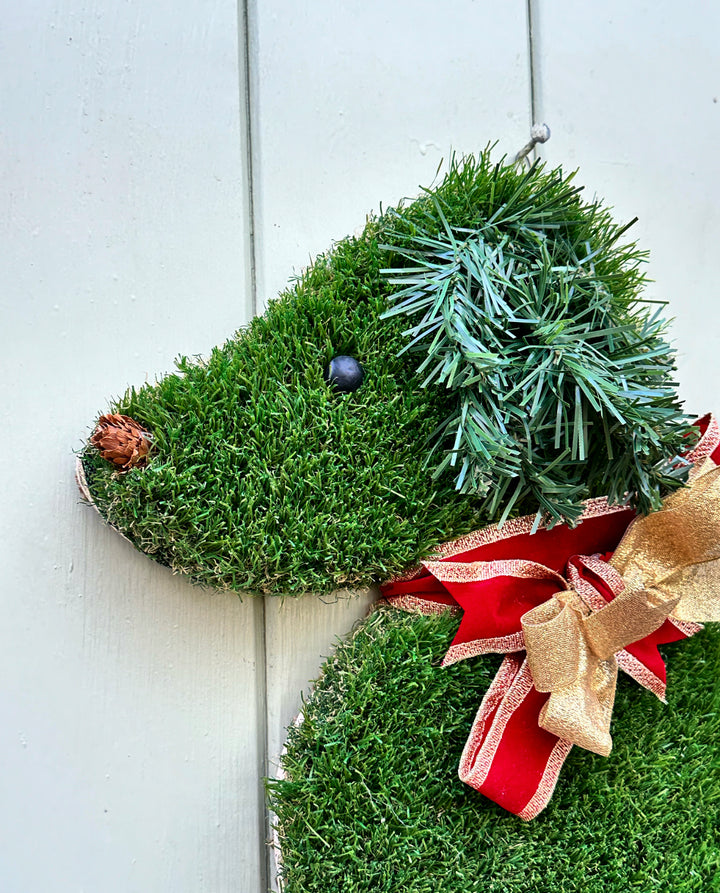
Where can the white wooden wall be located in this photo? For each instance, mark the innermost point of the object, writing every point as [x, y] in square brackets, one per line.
[158, 161]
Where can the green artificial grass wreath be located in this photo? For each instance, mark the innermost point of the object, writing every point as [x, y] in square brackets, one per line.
[510, 366]
[371, 802]
[541, 380]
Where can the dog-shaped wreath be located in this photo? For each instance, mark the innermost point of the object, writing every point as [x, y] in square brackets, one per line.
[480, 356]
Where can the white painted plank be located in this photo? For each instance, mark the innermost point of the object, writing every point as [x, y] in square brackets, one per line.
[356, 104]
[300, 633]
[130, 700]
[632, 94]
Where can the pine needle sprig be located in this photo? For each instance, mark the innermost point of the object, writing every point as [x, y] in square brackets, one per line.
[559, 376]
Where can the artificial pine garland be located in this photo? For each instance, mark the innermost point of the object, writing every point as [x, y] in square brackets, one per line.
[528, 310]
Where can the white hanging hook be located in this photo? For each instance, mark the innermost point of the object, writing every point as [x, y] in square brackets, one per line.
[540, 133]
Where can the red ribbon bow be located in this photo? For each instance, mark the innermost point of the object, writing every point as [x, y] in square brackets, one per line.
[494, 577]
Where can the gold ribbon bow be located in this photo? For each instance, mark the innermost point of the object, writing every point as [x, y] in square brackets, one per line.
[669, 562]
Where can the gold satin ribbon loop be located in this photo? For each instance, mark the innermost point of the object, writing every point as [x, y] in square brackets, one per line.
[552, 639]
[581, 685]
[669, 562]
[581, 712]
[631, 616]
[678, 548]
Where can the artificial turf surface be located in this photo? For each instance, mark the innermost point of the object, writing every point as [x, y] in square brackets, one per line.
[372, 801]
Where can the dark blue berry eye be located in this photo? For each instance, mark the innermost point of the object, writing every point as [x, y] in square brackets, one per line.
[345, 374]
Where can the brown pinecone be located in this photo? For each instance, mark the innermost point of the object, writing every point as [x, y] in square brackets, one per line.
[120, 440]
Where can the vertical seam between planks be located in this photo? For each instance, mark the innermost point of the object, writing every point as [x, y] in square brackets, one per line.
[536, 111]
[248, 146]
[264, 737]
[531, 62]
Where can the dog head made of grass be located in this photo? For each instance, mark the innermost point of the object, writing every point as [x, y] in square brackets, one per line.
[508, 366]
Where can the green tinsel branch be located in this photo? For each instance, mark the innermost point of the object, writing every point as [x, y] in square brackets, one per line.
[559, 376]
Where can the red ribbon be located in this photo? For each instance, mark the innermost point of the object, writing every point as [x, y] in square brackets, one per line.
[493, 577]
